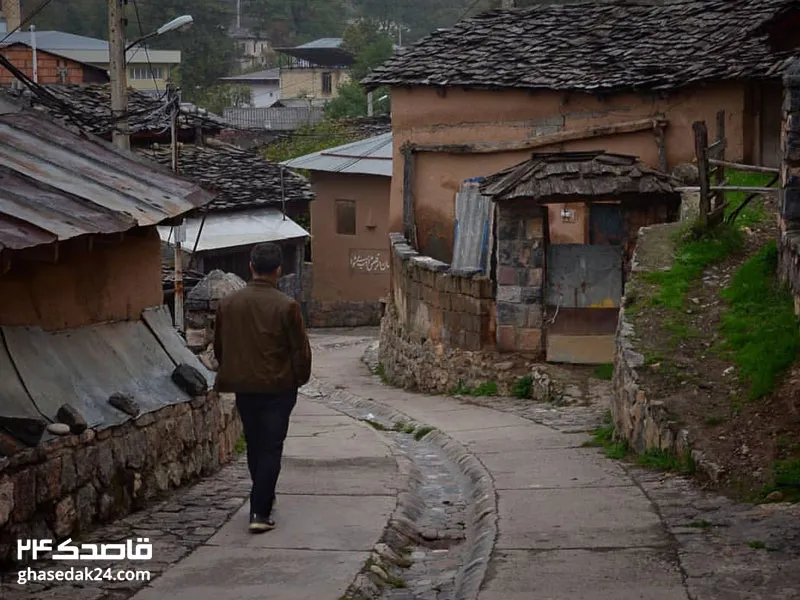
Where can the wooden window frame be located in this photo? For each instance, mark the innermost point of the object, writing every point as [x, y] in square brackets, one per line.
[340, 228]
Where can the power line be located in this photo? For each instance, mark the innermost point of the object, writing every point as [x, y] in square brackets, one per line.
[22, 24]
[146, 50]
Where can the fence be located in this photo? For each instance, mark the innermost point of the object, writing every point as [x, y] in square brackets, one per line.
[273, 119]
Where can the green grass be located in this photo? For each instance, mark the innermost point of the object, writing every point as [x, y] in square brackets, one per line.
[380, 371]
[241, 446]
[401, 427]
[786, 474]
[375, 425]
[603, 437]
[754, 212]
[604, 372]
[702, 524]
[523, 387]
[661, 460]
[759, 327]
[757, 545]
[692, 257]
[714, 421]
[487, 388]
[422, 432]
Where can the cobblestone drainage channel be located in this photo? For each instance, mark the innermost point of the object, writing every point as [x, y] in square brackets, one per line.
[438, 542]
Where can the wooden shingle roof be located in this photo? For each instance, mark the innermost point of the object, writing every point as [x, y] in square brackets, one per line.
[594, 47]
[577, 175]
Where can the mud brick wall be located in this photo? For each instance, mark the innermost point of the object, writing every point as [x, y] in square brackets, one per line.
[437, 303]
[67, 485]
[520, 270]
[789, 268]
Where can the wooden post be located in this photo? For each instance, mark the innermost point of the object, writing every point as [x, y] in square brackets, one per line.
[117, 72]
[701, 150]
[408, 202]
[719, 197]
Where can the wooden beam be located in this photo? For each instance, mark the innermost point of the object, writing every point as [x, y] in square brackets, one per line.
[731, 188]
[545, 140]
[742, 167]
[109, 238]
[46, 254]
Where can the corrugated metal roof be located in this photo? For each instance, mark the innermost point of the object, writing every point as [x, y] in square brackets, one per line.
[372, 156]
[57, 40]
[266, 75]
[86, 365]
[324, 43]
[231, 230]
[56, 185]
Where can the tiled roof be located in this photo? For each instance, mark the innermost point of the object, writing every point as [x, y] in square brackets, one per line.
[240, 179]
[89, 108]
[571, 174]
[593, 47]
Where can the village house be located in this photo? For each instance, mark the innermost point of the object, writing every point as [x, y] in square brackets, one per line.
[349, 235]
[50, 67]
[622, 82]
[104, 407]
[252, 195]
[147, 71]
[264, 86]
[621, 77]
[314, 71]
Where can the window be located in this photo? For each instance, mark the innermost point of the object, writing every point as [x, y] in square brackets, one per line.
[327, 83]
[345, 217]
[140, 73]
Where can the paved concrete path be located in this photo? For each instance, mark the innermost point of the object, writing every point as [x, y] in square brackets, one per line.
[335, 496]
[572, 524]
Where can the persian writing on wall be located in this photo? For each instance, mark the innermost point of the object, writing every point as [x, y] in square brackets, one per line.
[369, 261]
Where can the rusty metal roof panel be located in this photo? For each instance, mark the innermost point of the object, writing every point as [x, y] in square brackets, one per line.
[66, 185]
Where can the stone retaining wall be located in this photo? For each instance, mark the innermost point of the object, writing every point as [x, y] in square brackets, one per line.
[640, 419]
[345, 314]
[65, 486]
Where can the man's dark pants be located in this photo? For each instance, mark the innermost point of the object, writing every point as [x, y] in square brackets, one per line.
[265, 418]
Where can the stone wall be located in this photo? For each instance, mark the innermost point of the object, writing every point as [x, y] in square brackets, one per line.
[642, 420]
[438, 330]
[437, 303]
[62, 487]
[345, 314]
[789, 268]
[520, 269]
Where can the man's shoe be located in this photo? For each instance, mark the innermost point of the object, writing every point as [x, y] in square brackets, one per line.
[261, 524]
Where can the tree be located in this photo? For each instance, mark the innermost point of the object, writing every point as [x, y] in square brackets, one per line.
[291, 22]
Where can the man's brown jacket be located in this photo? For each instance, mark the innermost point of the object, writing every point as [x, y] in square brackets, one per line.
[260, 342]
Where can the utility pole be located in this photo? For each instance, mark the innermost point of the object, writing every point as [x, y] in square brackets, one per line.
[180, 233]
[370, 105]
[119, 79]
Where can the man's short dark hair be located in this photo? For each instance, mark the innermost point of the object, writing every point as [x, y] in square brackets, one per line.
[266, 258]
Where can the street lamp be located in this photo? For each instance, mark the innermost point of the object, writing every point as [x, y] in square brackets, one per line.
[182, 23]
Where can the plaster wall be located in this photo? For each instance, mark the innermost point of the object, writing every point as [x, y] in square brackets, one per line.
[112, 281]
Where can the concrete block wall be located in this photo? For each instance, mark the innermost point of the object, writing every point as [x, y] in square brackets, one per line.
[520, 277]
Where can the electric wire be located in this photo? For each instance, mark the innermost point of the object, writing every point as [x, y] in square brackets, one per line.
[27, 20]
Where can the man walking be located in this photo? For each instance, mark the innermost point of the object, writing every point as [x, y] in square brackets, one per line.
[264, 356]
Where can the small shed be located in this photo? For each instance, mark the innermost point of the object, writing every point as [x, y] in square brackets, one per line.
[566, 229]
